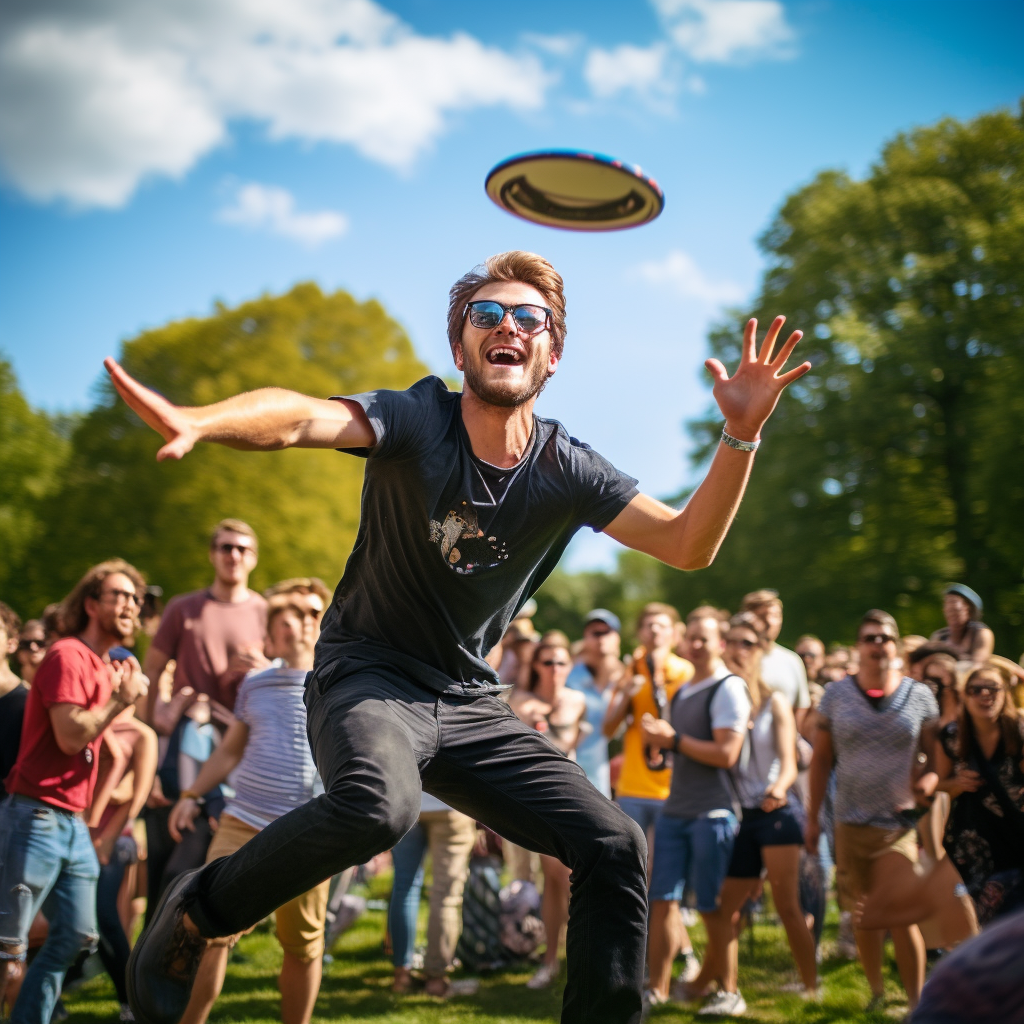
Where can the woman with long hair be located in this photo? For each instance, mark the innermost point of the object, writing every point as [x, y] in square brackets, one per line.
[985, 778]
[550, 707]
[770, 836]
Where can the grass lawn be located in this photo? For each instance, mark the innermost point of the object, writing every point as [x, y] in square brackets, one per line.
[356, 986]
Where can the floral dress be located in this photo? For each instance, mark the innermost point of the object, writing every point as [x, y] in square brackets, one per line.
[984, 843]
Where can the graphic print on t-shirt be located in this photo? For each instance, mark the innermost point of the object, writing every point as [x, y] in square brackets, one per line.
[464, 546]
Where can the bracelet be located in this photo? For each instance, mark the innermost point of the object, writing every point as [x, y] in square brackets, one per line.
[187, 794]
[740, 446]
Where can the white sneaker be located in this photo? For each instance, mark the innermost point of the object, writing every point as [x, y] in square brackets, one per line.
[723, 1004]
[543, 976]
[691, 966]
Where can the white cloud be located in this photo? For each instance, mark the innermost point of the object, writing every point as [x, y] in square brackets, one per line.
[273, 209]
[634, 68]
[697, 31]
[557, 46]
[727, 30]
[101, 93]
[679, 272]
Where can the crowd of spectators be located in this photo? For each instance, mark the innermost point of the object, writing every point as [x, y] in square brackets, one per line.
[139, 741]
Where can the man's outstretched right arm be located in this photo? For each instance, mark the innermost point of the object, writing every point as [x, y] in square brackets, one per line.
[262, 420]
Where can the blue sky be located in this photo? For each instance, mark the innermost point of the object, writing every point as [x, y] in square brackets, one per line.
[156, 158]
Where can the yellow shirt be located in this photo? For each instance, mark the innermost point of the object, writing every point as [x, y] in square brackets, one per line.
[636, 779]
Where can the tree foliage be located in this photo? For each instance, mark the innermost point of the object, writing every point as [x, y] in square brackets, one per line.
[897, 464]
[115, 499]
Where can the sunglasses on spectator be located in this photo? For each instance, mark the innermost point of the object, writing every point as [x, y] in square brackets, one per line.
[226, 549]
[877, 638]
[125, 595]
[599, 632]
[31, 645]
[487, 314]
[741, 642]
[977, 689]
[548, 663]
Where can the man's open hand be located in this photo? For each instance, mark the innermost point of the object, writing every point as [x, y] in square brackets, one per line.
[748, 397]
[173, 423]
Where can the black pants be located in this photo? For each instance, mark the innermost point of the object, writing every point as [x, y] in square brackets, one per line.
[374, 739]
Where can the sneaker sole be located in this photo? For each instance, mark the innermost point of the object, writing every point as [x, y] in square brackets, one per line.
[173, 891]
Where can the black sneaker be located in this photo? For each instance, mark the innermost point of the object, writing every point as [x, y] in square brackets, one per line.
[164, 962]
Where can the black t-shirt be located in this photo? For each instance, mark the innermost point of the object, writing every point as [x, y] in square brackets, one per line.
[12, 714]
[449, 548]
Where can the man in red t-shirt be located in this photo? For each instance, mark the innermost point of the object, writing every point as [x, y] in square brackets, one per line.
[46, 853]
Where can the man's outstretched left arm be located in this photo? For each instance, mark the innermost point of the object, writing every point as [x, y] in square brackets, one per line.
[690, 538]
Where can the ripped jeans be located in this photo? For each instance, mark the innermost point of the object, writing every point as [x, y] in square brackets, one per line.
[47, 862]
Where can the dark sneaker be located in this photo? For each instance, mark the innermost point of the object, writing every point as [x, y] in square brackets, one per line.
[163, 964]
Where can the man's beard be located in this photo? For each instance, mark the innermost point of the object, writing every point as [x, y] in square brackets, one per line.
[506, 394]
[115, 628]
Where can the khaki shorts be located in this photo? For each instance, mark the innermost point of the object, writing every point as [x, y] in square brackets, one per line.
[300, 922]
[857, 849]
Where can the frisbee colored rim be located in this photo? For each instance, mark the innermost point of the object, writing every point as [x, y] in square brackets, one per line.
[575, 190]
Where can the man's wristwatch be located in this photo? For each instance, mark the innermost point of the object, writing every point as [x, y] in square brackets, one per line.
[187, 794]
[676, 744]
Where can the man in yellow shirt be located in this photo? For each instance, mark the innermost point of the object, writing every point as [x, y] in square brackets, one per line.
[656, 675]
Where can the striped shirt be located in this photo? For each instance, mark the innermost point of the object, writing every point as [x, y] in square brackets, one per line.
[276, 773]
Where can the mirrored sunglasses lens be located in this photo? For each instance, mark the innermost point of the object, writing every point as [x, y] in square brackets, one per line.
[529, 318]
[485, 314]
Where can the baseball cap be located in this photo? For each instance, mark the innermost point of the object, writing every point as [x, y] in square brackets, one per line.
[610, 619]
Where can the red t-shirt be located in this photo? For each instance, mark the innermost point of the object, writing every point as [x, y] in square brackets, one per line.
[71, 673]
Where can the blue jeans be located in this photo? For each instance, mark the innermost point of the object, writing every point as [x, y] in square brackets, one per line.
[47, 862]
[408, 859]
[114, 948]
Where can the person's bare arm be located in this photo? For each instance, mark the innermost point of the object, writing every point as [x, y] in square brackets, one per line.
[784, 724]
[153, 666]
[144, 760]
[821, 767]
[267, 419]
[621, 703]
[723, 751]
[690, 538]
[984, 646]
[75, 727]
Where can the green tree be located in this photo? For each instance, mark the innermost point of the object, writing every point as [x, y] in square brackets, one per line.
[897, 464]
[33, 450]
[304, 504]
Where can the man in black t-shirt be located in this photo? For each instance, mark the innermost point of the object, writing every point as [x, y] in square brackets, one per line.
[13, 694]
[469, 500]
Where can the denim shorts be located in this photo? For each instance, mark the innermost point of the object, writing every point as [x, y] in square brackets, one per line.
[758, 829]
[692, 853]
[644, 810]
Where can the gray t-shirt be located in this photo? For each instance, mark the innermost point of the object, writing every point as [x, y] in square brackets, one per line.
[874, 749]
[783, 671]
[276, 773]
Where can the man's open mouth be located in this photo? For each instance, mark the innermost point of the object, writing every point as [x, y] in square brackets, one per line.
[506, 355]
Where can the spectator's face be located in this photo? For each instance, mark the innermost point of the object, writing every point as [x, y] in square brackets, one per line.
[937, 676]
[956, 610]
[985, 695]
[116, 607]
[289, 636]
[657, 632]
[600, 641]
[704, 644]
[233, 556]
[812, 654]
[876, 644]
[552, 665]
[771, 615]
[312, 605]
[31, 646]
[742, 650]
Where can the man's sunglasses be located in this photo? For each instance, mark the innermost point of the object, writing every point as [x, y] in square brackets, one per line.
[977, 689]
[559, 664]
[877, 638]
[742, 642]
[226, 549]
[31, 645]
[127, 595]
[487, 314]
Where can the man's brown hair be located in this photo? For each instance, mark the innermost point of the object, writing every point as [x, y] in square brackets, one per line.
[11, 622]
[708, 611]
[657, 608]
[759, 598]
[234, 526]
[299, 585]
[879, 618]
[525, 267]
[73, 617]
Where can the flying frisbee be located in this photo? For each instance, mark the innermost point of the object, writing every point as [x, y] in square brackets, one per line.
[576, 190]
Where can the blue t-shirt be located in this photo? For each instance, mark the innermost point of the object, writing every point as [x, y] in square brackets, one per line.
[592, 750]
[449, 547]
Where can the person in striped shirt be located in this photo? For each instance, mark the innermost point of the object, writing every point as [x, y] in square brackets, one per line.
[267, 750]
